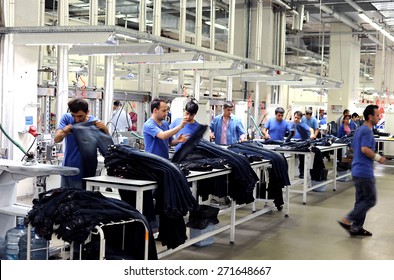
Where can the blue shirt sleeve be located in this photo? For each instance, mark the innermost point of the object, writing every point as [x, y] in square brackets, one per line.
[151, 129]
[65, 120]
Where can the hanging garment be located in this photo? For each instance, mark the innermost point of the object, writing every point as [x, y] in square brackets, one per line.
[241, 181]
[278, 173]
[319, 171]
[89, 138]
[173, 195]
[190, 144]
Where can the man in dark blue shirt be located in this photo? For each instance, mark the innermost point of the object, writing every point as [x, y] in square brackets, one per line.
[302, 132]
[191, 125]
[363, 175]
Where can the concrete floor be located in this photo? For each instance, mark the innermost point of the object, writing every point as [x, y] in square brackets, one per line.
[311, 231]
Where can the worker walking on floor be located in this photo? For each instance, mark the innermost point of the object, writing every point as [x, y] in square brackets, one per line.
[363, 174]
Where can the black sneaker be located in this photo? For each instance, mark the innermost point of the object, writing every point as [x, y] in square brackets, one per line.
[360, 232]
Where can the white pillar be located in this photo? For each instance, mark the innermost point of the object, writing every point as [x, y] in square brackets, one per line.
[198, 33]
[141, 67]
[62, 66]
[109, 69]
[212, 39]
[182, 38]
[344, 65]
[156, 31]
[92, 60]
[230, 43]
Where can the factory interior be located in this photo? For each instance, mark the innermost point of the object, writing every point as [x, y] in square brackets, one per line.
[317, 55]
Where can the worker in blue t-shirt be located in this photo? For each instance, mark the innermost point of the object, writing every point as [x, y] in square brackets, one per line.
[191, 125]
[276, 127]
[157, 133]
[363, 176]
[79, 113]
[301, 132]
[311, 121]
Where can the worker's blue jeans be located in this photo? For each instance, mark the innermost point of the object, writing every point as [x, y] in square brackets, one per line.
[365, 200]
[68, 182]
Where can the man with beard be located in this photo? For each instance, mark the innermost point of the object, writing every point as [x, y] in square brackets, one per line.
[363, 175]
[157, 133]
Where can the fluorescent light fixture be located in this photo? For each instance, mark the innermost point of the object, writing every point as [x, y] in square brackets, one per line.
[61, 39]
[122, 50]
[276, 80]
[217, 25]
[164, 58]
[326, 85]
[208, 65]
[241, 72]
[365, 18]
[137, 20]
[387, 34]
[284, 83]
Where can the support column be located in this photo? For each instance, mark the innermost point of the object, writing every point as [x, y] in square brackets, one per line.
[261, 32]
[18, 96]
[62, 66]
[230, 43]
[156, 31]
[212, 39]
[198, 33]
[384, 71]
[267, 50]
[92, 60]
[182, 39]
[109, 69]
[141, 68]
[344, 65]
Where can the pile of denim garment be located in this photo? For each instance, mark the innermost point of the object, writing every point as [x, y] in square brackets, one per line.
[347, 139]
[241, 180]
[299, 145]
[173, 195]
[278, 173]
[71, 214]
[318, 172]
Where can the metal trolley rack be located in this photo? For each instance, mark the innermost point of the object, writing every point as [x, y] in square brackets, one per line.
[98, 230]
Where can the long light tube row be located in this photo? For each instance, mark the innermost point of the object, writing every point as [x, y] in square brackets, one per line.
[376, 26]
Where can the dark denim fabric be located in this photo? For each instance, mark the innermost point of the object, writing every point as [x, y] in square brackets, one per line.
[89, 139]
[173, 196]
[242, 179]
[72, 214]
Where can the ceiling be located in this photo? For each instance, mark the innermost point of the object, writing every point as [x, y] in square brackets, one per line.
[311, 41]
[316, 20]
